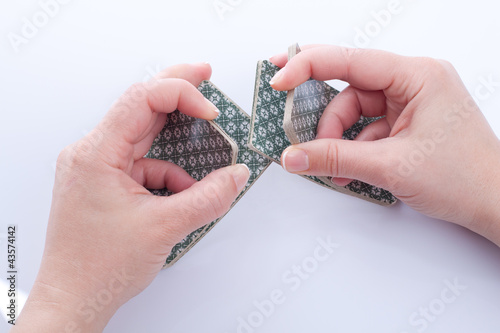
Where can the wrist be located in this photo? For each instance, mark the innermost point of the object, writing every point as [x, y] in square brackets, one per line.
[51, 309]
[487, 217]
[67, 299]
[488, 223]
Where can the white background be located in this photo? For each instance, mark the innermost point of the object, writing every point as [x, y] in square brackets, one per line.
[391, 261]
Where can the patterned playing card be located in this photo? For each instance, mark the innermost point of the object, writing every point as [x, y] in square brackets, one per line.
[196, 145]
[236, 124]
[268, 136]
[198, 159]
[304, 107]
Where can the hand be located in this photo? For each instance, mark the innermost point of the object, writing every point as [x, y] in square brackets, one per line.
[434, 149]
[108, 236]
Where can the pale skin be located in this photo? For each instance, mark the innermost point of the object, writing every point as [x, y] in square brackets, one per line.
[423, 100]
[98, 225]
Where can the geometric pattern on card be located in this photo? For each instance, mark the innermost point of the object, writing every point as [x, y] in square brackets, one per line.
[304, 107]
[234, 124]
[199, 147]
[309, 101]
[195, 145]
[268, 136]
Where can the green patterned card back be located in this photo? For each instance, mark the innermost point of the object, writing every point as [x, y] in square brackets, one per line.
[236, 124]
[269, 138]
[196, 145]
[267, 135]
[304, 107]
[191, 144]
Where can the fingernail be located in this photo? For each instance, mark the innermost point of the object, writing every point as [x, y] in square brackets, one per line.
[213, 107]
[277, 76]
[335, 181]
[342, 182]
[295, 160]
[241, 175]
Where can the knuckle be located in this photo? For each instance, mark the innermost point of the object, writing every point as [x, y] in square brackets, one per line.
[64, 155]
[206, 203]
[75, 155]
[436, 67]
[387, 169]
[349, 54]
[209, 203]
[217, 195]
[332, 159]
[183, 83]
[427, 62]
[134, 94]
[137, 88]
[446, 65]
[64, 159]
[217, 204]
[216, 201]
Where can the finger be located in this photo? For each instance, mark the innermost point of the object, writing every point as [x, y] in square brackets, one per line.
[346, 108]
[281, 59]
[363, 69]
[193, 73]
[132, 118]
[365, 161]
[377, 130]
[157, 123]
[342, 181]
[202, 203]
[158, 174]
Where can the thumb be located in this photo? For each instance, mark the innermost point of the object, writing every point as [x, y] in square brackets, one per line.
[203, 202]
[367, 161]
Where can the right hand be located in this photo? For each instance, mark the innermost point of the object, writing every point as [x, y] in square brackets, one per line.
[434, 149]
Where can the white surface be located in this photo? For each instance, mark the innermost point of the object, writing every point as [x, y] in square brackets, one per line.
[391, 261]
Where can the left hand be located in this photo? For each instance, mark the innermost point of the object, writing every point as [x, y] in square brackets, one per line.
[108, 236]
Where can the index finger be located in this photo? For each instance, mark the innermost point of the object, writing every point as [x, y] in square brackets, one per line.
[193, 73]
[136, 118]
[281, 59]
[130, 118]
[361, 68]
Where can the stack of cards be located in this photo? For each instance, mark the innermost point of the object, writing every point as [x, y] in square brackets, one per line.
[201, 146]
[278, 120]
